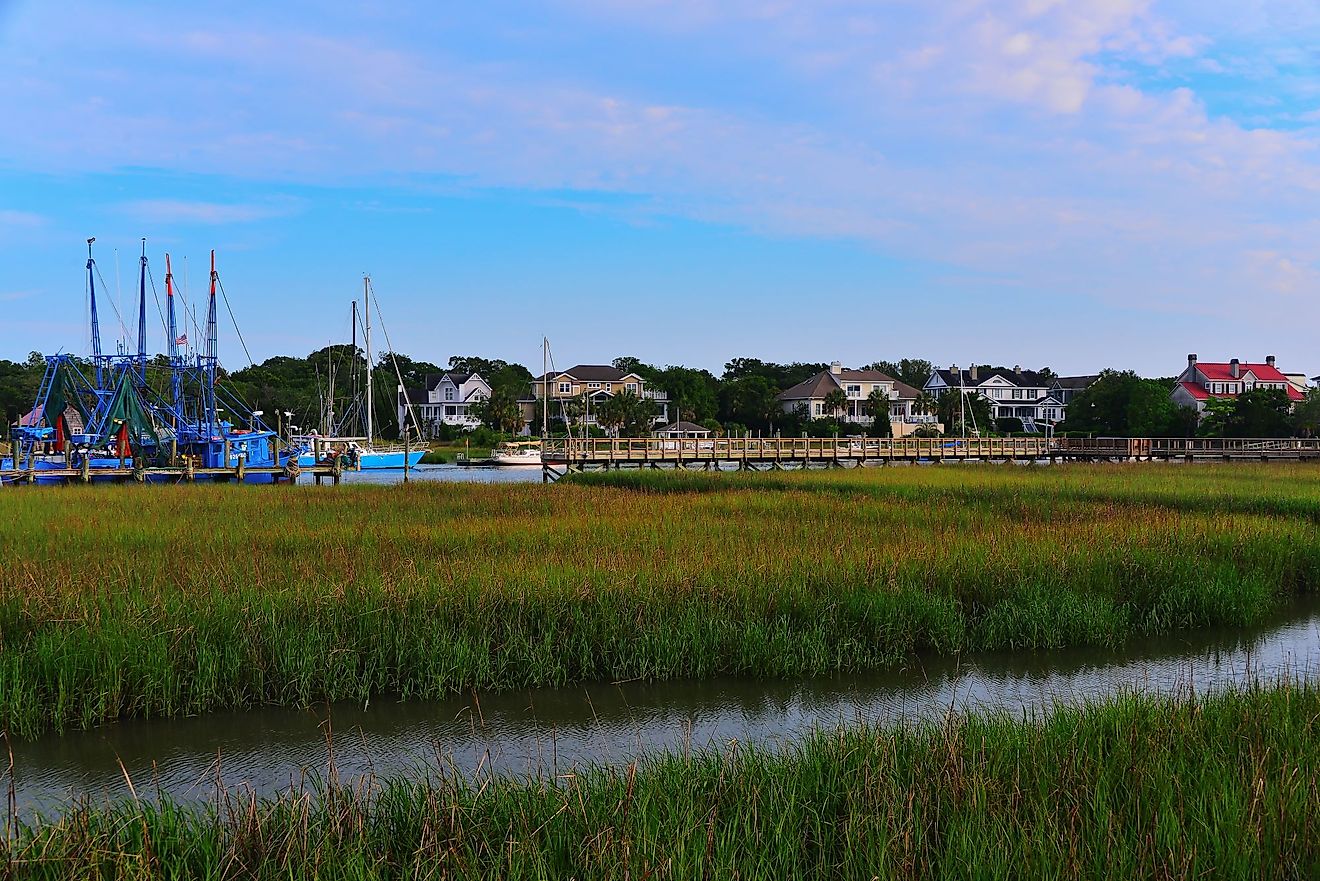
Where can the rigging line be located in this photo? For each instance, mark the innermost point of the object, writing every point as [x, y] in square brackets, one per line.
[164, 325]
[113, 307]
[230, 309]
[407, 405]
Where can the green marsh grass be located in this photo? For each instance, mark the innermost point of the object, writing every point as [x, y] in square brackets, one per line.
[1211, 787]
[143, 601]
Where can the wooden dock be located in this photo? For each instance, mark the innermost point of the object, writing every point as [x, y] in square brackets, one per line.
[562, 456]
[173, 474]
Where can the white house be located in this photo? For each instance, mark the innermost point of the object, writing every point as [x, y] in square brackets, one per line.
[857, 386]
[1202, 381]
[1032, 396]
[447, 399]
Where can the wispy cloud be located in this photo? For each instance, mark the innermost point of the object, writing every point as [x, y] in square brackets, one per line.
[26, 219]
[183, 211]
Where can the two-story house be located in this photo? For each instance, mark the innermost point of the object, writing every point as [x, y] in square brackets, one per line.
[809, 397]
[1202, 381]
[1036, 398]
[579, 391]
[447, 399]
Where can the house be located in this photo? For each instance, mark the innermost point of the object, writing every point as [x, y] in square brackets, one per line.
[857, 385]
[585, 387]
[1037, 398]
[1203, 381]
[682, 430]
[447, 399]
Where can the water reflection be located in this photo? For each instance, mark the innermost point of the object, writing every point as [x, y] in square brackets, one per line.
[550, 730]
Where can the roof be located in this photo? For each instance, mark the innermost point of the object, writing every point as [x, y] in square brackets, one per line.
[684, 427]
[590, 373]
[1018, 378]
[1223, 371]
[1075, 382]
[32, 418]
[416, 395]
[827, 381]
[1201, 394]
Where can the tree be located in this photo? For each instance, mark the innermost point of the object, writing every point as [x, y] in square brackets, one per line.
[500, 412]
[1258, 412]
[780, 376]
[694, 394]
[836, 402]
[1122, 404]
[750, 401]
[1306, 414]
[913, 371]
[877, 403]
[954, 405]
[926, 404]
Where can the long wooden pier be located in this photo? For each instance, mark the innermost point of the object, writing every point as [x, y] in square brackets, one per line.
[561, 456]
[173, 474]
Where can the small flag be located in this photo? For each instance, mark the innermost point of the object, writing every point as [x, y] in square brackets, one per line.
[182, 340]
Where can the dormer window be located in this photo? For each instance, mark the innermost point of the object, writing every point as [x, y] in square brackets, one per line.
[565, 388]
[449, 393]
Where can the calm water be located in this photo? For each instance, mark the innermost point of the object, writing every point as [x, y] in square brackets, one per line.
[548, 730]
[443, 473]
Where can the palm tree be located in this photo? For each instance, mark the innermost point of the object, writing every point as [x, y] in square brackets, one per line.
[835, 401]
[877, 403]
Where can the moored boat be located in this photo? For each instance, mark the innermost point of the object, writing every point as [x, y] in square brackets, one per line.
[517, 453]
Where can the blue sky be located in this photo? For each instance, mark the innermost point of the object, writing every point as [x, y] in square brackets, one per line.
[1077, 184]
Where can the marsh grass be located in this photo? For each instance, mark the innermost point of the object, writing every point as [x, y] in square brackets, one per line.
[142, 601]
[1138, 787]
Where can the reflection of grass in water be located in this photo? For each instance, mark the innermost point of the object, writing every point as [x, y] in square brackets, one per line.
[1220, 787]
[164, 600]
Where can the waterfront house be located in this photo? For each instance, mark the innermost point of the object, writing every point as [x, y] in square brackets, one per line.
[1202, 381]
[1037, 398]
[447, 399]
[580, 390]
[809, 397]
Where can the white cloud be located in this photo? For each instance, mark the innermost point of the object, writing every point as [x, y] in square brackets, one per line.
[184, 211]
[25, 219]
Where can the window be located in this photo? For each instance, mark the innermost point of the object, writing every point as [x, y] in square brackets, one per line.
[1017, 394]
[632, 387]
[820, 408]
[449, 393]
[593, 385]
[565, 388]
[854, 391]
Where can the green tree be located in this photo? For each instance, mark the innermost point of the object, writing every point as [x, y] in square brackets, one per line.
[1258, 412]
[877, 404]
[499, 412]
[954, 406]
[1122, 404]
[835, 403]
[750, 401]
[693, 394]
[1306, 414]
[913, 371]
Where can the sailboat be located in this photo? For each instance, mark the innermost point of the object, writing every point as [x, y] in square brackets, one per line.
[362, 452]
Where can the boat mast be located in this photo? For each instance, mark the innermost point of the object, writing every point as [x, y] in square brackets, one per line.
[96, 324]
[212, 345]
[142, 314]
[366, 336]
[172, 346]
[545, 388]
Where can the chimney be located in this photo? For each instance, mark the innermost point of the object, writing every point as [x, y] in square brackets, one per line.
[1269, 360]
[1017, 368]
[1191, 360]
[836, 368]
[1234, 368]
[973, 373]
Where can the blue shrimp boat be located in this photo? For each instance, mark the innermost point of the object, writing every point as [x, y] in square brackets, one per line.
[121, 411]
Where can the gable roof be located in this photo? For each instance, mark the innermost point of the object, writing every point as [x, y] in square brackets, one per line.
[827, 381]
[1075, 382]
[1222, 371]
[589, 373]
[1199, 393]
[1024, 378]
[683, 426]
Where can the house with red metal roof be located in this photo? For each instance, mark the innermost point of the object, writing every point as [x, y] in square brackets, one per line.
[1206, 380]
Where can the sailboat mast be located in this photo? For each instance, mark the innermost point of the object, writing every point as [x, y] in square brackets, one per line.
[176, 381]
[96, 324]
[366, 335]
[142, 314]
[212, 345]
[545, 388]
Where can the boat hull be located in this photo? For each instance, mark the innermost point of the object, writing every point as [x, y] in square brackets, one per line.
[515, 461]
[376, 461]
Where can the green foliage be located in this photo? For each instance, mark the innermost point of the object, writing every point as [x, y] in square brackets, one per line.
[18, 386]
[514, 379]
[836, 403]
[953, 406]
[779, 376]
[1122, 404]
[877, 404]
[500, 411]
[626, 415]
[1258, 412]
[693, 394]
[913, 371]
[750, 400]
[1306, 414]
[1136, 787]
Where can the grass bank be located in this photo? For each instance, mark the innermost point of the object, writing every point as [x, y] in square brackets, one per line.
[1219, 787]
[158, 600]
[442, 452]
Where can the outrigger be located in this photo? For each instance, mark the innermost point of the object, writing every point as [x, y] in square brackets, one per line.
[121, 416]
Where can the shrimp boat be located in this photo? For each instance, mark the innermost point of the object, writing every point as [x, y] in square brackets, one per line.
[517, 453]
[362, 452]
[123, 411]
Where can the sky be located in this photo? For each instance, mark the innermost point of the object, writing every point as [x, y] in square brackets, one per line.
[1077, 184]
